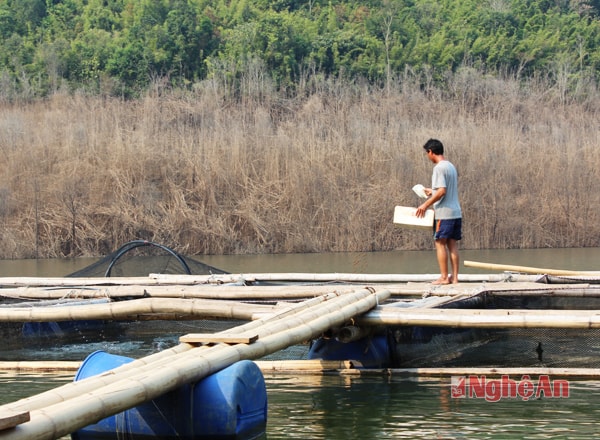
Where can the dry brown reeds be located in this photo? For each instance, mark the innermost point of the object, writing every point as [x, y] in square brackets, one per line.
[206, 173]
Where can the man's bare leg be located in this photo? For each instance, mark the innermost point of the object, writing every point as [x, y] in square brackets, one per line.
[442, 257]
[454, 259]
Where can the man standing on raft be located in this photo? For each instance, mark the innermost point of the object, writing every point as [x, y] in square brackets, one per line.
[443, 196]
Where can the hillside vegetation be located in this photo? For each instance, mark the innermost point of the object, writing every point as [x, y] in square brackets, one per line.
[82, 175]
[120, 47]
[283, 126]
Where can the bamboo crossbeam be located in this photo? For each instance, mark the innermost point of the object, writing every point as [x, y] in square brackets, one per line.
[482, 318]
[39, 366]
[350, 368]
[49, 366]
[72, 390]
[516, 289]
[170, 291]
[137, 309]
[331, 278]
[527, 269]
[164, 308]
[252, 292]
[446, 372]
[121, 392]
[187, 280]
[74, 282]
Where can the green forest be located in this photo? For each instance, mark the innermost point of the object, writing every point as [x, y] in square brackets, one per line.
[121, 47]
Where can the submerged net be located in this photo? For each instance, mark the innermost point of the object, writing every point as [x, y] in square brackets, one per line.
[141, 258]
[504, 347]
[73, 339]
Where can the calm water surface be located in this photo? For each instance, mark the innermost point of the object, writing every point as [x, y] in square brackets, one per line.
[408, 262]
[334, 407]
[341, 408]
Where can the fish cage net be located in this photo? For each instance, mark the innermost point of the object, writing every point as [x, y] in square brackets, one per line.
[141, 258]
[547, 347]
[135, 338]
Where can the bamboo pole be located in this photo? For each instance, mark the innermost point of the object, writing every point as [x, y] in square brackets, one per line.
[184, 292]
[77, 388]
[279, 322]
[573, 292]
[138, 387]
[137, 309]
[163, 308]
[72, 282]
[306, 366]
[526, 269]
[211, 291]
[322, 278]
[39, 366]
[482, 318]
[222, 280]
[69, 366]
[349, 368]
[446, 372]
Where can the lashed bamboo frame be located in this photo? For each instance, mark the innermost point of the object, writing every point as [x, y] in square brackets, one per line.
[95, 398]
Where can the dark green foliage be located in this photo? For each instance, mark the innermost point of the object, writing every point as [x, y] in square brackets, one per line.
[133, 42]
[592, 7]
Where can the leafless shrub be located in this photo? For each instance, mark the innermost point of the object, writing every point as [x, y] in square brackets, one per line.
[209, 173]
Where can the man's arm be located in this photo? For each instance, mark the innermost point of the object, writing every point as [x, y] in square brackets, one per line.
[435, 196]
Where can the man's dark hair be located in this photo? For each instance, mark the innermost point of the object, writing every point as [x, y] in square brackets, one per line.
[435, 146]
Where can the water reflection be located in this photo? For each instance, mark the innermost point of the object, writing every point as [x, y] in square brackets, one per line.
[346, 407]
[369, 408]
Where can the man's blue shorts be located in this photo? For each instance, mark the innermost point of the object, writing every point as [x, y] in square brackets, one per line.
[450, 229]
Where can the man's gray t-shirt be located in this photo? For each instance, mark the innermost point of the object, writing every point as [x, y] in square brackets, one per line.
[445, 176]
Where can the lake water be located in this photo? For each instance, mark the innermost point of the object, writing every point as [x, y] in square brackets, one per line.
[336, 407]
[408, 262]
[341, 408]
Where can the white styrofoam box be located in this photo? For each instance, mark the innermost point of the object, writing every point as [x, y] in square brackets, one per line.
[405, 216]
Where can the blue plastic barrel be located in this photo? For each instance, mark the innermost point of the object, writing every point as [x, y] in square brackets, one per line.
[229, 404]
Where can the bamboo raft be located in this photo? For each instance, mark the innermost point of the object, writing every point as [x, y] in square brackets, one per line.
[300, 308]
[61, 411]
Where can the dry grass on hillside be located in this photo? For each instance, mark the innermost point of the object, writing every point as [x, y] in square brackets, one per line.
[206, 174]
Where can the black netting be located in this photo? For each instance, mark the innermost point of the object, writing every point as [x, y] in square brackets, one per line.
[503, 347]
[141, 258]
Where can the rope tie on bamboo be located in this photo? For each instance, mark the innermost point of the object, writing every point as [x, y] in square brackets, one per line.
[372, 290]
[213, 280]
[72, 293]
